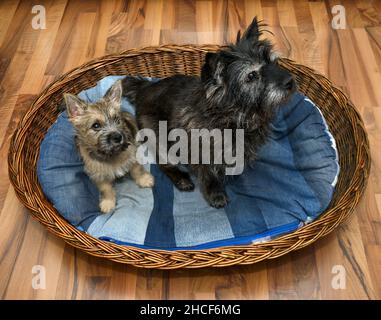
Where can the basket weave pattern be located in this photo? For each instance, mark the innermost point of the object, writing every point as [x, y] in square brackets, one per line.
[342, 118]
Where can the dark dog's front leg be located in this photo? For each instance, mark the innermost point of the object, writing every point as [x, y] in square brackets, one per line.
[180, 179]
[212, 187]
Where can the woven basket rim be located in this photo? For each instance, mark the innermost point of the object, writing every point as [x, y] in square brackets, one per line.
[191, 258]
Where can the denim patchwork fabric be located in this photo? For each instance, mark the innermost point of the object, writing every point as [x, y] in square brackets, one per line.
[290, 184]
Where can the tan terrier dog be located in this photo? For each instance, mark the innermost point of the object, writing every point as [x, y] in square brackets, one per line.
[105, 137]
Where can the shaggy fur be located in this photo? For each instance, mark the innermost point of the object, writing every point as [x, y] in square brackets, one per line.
[240, 88]
[105, 137]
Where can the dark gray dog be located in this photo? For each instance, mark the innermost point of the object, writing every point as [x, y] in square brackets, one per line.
[240, 88]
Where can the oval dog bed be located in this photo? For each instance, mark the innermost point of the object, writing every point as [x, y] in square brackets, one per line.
[290, 183]
[343, 121]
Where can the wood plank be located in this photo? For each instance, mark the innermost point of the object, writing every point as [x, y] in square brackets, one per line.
[76, 25]
[153, 20]
[14, 219]
[77, 53]
[206, 33]
[16, 53]
[355, 76]
[127, 29]
[23, 102]
[322, 35]
[99, 34]
[44, 250]
[368, 13]
[280, 279]
[303, 17]
[151, 284]
[7, 11]
[351, 244]
[328, 257]
[286, 13]
[252, 9]
[34, 77]
[236, 20]
[369, 65]
[305, 274]
[344, 250]
[123, 282]
[199, 284]
[374, 262]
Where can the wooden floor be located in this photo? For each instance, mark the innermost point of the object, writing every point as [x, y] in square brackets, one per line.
[77, 31]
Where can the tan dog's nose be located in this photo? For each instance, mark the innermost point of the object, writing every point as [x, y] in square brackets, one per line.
[115, 138]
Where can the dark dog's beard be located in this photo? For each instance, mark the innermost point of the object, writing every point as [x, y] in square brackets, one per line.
[275, 96]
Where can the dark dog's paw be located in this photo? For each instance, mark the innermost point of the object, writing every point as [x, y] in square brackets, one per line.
[184, 184]
[218, 199]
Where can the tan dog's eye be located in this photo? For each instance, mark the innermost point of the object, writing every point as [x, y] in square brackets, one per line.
[96, 126]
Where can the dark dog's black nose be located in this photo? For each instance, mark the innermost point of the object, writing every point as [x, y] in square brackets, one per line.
[288, 82]
[115, 138]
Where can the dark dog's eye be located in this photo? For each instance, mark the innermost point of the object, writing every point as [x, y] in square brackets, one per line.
[252, 76]
[96, 126]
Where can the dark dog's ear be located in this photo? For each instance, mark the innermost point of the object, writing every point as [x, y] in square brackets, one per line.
[130, 123]
[238, 37]
[251, 34]
[209, 66]
[212, 68]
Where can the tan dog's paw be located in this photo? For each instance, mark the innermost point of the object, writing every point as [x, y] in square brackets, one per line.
[107, 205]
[146, 180]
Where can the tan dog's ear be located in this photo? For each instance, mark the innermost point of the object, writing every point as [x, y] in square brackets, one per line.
[74, 105]
[114, 95]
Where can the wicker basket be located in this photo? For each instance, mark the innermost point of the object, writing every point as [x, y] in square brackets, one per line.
[343, 120]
